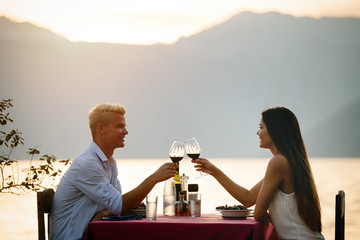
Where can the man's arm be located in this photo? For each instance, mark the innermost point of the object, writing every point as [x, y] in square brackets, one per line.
[134, 197]
[99, 215]
[90, 179]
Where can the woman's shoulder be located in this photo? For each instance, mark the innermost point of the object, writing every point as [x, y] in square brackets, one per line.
[278, 162]
[279, 158]
[279, 168]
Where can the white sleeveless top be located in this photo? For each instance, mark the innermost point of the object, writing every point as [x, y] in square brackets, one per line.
[286, 219]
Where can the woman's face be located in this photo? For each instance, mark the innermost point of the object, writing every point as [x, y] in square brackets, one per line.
[264, 137]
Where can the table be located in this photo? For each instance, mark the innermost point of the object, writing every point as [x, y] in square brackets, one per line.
[208, 226]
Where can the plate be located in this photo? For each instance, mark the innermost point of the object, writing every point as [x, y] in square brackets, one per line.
[235, 214]
[122, 218]
[137, 211]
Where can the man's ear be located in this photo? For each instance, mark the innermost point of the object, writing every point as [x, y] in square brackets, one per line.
[100, 128]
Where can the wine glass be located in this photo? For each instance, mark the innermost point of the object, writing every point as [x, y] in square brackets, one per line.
[193, 150]
[176, 154]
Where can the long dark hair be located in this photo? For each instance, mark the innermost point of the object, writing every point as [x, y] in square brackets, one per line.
[284, 130]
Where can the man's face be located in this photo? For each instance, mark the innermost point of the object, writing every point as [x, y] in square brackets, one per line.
[115, 131]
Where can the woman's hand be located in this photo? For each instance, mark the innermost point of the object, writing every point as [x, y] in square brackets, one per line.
[204, 165]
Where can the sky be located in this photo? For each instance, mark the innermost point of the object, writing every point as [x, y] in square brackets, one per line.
[146, 22]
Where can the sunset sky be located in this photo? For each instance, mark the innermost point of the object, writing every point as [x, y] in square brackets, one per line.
[155, 21]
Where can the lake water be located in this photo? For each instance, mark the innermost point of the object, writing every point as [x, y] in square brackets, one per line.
[19, 220]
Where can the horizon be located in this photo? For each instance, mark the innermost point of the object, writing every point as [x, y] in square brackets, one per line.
[209, 157]
[157, 22]
[246, 173]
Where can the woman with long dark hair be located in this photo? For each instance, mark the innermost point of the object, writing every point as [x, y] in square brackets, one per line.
[287, 194]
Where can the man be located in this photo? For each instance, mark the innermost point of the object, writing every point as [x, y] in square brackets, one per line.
[90, 190]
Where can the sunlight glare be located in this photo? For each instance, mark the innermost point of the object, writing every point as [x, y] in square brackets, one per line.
[157, 21]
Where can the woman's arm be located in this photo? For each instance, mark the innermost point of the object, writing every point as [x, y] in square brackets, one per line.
[243, 195]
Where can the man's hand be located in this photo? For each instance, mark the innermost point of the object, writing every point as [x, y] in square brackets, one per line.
[99, 215]
[165, 172]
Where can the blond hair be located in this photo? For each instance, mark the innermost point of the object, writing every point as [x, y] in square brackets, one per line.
[100, 114]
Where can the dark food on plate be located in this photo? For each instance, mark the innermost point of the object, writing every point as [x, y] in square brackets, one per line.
[235, 207]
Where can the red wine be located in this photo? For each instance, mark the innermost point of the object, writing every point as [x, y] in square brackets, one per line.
[193, 155]
[176, 159]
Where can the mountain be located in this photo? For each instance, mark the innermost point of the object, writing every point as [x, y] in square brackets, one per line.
[344, 134]
[212, 85]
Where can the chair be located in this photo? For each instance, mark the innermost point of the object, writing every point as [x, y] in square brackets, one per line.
[340, 216]
[44, 202]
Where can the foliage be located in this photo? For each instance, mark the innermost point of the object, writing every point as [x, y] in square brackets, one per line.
[35, 177]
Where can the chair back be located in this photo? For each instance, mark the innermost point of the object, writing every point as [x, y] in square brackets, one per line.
[340, 216]
[44, 202]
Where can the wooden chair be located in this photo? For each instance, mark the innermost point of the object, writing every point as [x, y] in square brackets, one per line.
[44, 202]
[340, 216]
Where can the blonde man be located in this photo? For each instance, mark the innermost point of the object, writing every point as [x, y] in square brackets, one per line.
[90, 189]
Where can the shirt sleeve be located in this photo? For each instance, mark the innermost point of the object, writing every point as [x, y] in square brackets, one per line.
[115, 180]
[92, 181]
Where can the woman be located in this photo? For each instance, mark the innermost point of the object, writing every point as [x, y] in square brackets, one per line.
[288, 190]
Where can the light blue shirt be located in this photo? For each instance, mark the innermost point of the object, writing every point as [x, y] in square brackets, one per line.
[89, 185]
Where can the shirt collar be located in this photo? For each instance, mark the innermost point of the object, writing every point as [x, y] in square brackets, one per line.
[98, 151]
